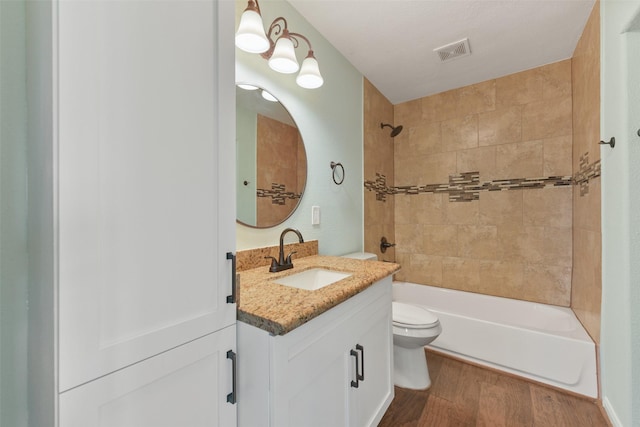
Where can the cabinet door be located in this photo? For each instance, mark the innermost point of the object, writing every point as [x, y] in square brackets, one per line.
[186, 386]
[143, 222]
[371, 399]
[309, 381]
[309, 384]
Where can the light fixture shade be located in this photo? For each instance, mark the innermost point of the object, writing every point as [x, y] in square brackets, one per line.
[284, 58]
[247, 86]
[266, 95]
[250, 36]
[309, 77]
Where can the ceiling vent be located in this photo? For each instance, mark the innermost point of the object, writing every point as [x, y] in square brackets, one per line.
[453, 50]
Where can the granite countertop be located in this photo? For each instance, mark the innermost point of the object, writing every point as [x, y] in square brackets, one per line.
[280, 309]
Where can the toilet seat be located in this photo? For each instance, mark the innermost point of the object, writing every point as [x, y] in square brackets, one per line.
[412, 316]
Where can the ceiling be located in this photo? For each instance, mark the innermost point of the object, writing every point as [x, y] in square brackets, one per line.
[391, 42]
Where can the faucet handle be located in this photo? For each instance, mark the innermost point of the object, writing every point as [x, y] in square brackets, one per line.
[274, 264]
[289, 257]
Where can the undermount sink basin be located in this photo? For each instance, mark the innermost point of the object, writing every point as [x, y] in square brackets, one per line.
[312, 279]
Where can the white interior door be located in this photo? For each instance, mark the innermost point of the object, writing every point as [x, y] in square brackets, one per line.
[142, 241]
[186, 386]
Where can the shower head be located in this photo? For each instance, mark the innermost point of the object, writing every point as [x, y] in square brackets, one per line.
[395, 131]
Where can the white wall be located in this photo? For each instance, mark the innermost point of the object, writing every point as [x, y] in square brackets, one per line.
[13, 214]
[330, 121]
[620, 106]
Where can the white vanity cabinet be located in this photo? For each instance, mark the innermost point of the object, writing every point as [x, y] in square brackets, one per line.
[309, 376]
[132, 212]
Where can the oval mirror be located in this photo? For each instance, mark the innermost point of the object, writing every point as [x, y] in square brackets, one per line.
[271, 159]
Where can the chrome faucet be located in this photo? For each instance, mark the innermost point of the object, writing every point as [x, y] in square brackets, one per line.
[283, 263]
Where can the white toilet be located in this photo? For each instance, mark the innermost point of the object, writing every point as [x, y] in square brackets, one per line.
[413, 328]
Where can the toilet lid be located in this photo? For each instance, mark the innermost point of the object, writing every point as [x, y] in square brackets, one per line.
[412, 316]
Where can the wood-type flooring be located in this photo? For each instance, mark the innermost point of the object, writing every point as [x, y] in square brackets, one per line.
[466, 395]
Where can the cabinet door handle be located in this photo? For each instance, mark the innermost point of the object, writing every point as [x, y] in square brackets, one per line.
[360, 376]
[356, 383]
[233, 396]
[232, 298]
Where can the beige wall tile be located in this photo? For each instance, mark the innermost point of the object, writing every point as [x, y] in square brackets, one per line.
[587, 208]
[403, 260]
[547, 284]
[459, 133]
[501, 207]
[402, 206]
[419, 208]
[587, 272]
[519, 160]
[587, 247]
[558, 246]
[409, 239]
[408, 171]
[378, 158]
[478, 241]
[461, 273]
[500, 127]
[432, 107]
[501, 278]
[428, 208]
[482, 159]
[557, 153]
[372, 240]
[422, 140]
[476, 98]
[408, 114]
[514, 243]
[518, 89]
[435, 168]
[441, 240]
[547, 118]
[550, 207]
[556, 79]
[465, 213]
[521, 244]
[425, 269]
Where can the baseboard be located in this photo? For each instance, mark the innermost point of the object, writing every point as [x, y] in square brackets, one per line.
[611, 413]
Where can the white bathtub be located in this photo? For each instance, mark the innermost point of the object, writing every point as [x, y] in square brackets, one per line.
[541, 342]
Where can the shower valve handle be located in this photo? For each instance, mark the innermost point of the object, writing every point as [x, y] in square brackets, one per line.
[384, 245]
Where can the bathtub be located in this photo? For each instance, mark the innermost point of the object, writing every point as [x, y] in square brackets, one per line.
[541, 342]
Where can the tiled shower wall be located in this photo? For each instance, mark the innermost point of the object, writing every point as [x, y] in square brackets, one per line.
[508, 141]
[378, 159]
[586, 289]
[535, 132]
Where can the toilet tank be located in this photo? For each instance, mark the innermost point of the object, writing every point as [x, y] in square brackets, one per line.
[361, 255]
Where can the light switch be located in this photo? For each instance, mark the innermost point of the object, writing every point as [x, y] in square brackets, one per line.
[315, 215]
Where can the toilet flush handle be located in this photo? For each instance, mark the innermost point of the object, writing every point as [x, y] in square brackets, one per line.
[384, 244]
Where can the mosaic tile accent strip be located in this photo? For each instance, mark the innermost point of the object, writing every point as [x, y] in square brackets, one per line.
[379, 186]
[277, 193]
[466, 187]
[587, 172]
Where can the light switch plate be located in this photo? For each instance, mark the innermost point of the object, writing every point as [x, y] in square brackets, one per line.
[315, 215]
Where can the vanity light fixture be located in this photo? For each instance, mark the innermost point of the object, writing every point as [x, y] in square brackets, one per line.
[281, 54]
